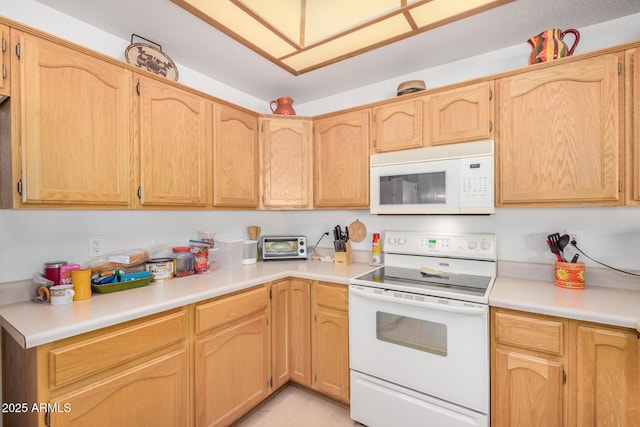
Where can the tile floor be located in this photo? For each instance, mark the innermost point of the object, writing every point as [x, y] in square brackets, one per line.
[297, 407]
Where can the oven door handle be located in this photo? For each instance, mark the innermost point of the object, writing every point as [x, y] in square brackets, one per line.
[472, 311]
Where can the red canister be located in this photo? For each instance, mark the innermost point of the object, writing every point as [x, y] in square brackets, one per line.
[52, 270]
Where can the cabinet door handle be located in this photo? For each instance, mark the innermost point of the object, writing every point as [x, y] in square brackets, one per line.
[19, 187]
[564, 377]
[18, 50]
[140, 192]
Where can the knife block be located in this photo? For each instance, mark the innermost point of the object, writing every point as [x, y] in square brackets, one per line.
[343, 258]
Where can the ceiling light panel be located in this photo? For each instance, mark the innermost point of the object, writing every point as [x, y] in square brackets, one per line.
[302, 35]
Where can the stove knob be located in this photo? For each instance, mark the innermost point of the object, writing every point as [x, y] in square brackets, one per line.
[392, 240]
[402, 241]
[472, 244]
[485, 246]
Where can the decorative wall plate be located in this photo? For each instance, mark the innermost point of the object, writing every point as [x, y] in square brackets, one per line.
[150, 58]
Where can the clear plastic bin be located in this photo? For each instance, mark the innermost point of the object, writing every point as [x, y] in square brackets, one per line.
[230, 254]
[249, 251]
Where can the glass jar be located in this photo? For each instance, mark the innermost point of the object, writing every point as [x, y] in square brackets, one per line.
[184, 261]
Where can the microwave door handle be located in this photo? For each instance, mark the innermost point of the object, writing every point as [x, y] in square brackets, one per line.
[472, 311]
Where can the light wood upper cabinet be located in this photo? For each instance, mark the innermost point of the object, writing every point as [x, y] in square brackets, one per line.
[74, 126]
[5, 63]
[560, 134]
[175, 137]
[460, 115]
[286, 163]
[397, 126]
[341, 160]
[235, 158]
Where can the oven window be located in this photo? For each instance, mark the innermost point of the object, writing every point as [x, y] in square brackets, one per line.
[430, 337]
[422, 188]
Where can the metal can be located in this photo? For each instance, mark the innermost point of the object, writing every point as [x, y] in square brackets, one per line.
[52, 270]
[161, 268]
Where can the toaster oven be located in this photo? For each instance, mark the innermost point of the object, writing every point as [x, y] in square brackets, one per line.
[283, 247]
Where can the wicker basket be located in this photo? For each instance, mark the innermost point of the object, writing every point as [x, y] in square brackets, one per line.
[411, 86]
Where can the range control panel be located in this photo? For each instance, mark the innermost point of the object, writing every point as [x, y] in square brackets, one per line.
[463, 245]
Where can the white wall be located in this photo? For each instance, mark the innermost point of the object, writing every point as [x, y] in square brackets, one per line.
[29, 238]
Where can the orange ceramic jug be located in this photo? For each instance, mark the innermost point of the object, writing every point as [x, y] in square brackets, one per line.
[284, 105]
[549, 45]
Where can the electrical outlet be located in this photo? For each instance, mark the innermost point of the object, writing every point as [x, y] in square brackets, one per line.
[574, 234]
[96, 245]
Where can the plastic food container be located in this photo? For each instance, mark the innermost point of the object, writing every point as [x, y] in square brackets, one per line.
[161, 268]
[230, 253]
[249, 251]
[184, 261]
[208, 236]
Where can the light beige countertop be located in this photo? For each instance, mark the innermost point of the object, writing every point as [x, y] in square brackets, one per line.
[32, 324]
[600, 304]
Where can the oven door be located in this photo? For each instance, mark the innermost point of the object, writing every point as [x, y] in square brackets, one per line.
[431, 345]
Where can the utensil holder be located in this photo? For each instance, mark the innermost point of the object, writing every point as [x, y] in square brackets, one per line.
[569, 275]
[343, 258]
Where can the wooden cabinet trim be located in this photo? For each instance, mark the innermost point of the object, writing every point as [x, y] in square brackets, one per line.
[534, 333]
[75, 361]
[229, 309]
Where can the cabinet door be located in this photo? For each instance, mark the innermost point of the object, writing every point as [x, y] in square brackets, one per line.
[4, 60]
[174, 145]
[528, 391]
[280, 336]
[462, 114]
[604, 377]
[75, 130]
[330, 352]
[633, 128]
[231, 371]
[397, 126]
[155, 393]
[341, 161]
[300, 331]
[286, 152]
[560, 134]
[235, 157]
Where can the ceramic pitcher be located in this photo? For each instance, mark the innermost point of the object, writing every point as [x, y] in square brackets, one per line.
[549, 45]
[283, 105]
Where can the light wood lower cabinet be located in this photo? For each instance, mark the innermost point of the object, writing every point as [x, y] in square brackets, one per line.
[553, 371]
[330, 339]
[231, 356]
[114, 376]
[291, 332]
[153, 393]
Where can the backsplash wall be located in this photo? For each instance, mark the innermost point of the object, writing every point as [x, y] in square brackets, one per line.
[29, 238]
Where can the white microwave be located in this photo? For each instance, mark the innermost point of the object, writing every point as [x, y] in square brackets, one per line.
[447, 179]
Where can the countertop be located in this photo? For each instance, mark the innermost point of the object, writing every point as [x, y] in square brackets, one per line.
[32, 324]
[600, 304]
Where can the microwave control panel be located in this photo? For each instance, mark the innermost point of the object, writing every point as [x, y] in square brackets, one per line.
[476, 182]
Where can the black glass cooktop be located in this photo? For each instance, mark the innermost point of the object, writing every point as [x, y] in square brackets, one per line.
[418, 281]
